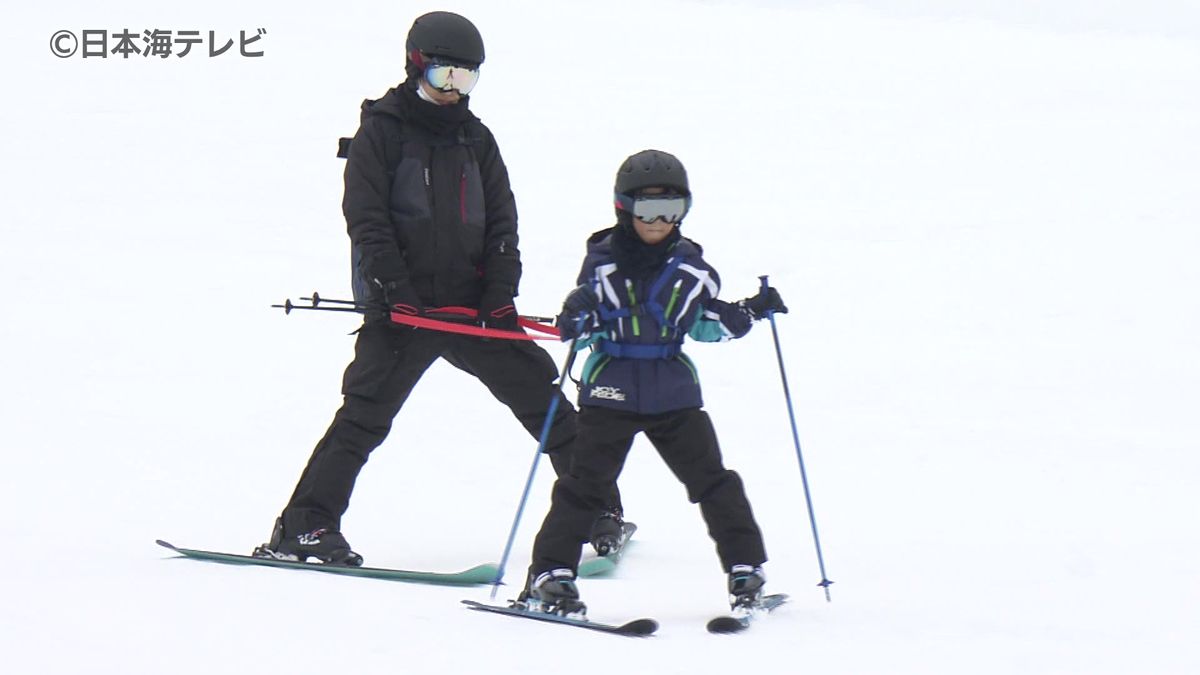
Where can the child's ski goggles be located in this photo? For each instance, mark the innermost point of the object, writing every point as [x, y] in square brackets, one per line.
[445, 76]
[649, 208]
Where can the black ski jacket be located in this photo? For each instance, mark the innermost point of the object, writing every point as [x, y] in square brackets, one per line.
[428, 202]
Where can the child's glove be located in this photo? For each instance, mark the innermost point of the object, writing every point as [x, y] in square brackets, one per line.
[765, 303]
[581, 303]
[582, 300]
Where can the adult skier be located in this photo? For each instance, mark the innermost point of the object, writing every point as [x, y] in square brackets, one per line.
[642, 288]
[432, 223]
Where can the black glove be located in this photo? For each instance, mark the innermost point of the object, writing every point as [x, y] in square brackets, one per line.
[580, 303]
[401, 297]
[767, 301]
[496, 308]
[582, 300]
[387, 270]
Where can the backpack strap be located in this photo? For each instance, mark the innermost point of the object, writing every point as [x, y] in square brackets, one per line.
[469, 138]
[652, 304]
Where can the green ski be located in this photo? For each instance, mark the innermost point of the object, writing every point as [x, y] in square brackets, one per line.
[480, 574]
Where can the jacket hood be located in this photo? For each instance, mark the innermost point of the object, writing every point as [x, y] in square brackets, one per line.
[600, 249]
[600, 242]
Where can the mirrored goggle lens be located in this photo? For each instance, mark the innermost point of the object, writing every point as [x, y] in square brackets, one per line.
[672, 209]
[448, 77]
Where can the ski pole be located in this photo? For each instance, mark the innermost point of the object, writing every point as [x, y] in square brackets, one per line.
[512, 534]
[287, 308]
[316, 299]
[825, 582]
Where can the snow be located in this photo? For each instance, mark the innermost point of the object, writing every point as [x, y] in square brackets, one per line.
[983, 217]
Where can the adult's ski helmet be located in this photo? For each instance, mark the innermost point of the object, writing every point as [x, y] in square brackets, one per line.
[651, 168]
[446, 35]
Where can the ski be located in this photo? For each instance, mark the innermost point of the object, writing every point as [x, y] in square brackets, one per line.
[741, 620]
[635, 628]
[480, 574]
[602, 565]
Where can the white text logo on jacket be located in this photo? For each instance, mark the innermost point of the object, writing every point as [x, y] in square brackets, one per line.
[610, 393]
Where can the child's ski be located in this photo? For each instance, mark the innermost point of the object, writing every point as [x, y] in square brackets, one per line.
[740, 620]
[635, 628]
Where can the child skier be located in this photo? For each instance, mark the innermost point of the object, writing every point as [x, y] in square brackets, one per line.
[643, 287]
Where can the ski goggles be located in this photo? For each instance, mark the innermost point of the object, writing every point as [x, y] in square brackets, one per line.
[649, 208]
[446, 76]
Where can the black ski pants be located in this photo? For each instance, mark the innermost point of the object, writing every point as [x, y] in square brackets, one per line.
[686, 441]
[388, 363]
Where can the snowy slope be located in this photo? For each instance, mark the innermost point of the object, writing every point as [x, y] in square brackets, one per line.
[982, 215]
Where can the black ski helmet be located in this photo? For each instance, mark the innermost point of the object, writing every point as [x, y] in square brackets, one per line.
[443, 34]
[651, 168]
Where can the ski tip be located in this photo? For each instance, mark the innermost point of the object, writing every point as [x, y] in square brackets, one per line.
[165, 544]
[725, 625]
[489, 570]
[596, 567]
[640, 627]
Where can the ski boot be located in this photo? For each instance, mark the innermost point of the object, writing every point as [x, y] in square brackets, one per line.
[607, 531]
[553, 592]
[324, 544]
[745, 587]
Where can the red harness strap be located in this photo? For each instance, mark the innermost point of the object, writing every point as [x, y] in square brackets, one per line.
[551, 333]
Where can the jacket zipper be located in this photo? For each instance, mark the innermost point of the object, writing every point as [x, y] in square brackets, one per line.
[433, 216]
[462, 195]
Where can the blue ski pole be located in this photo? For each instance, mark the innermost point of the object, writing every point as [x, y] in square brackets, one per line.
[825, 582]
[512, 535]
